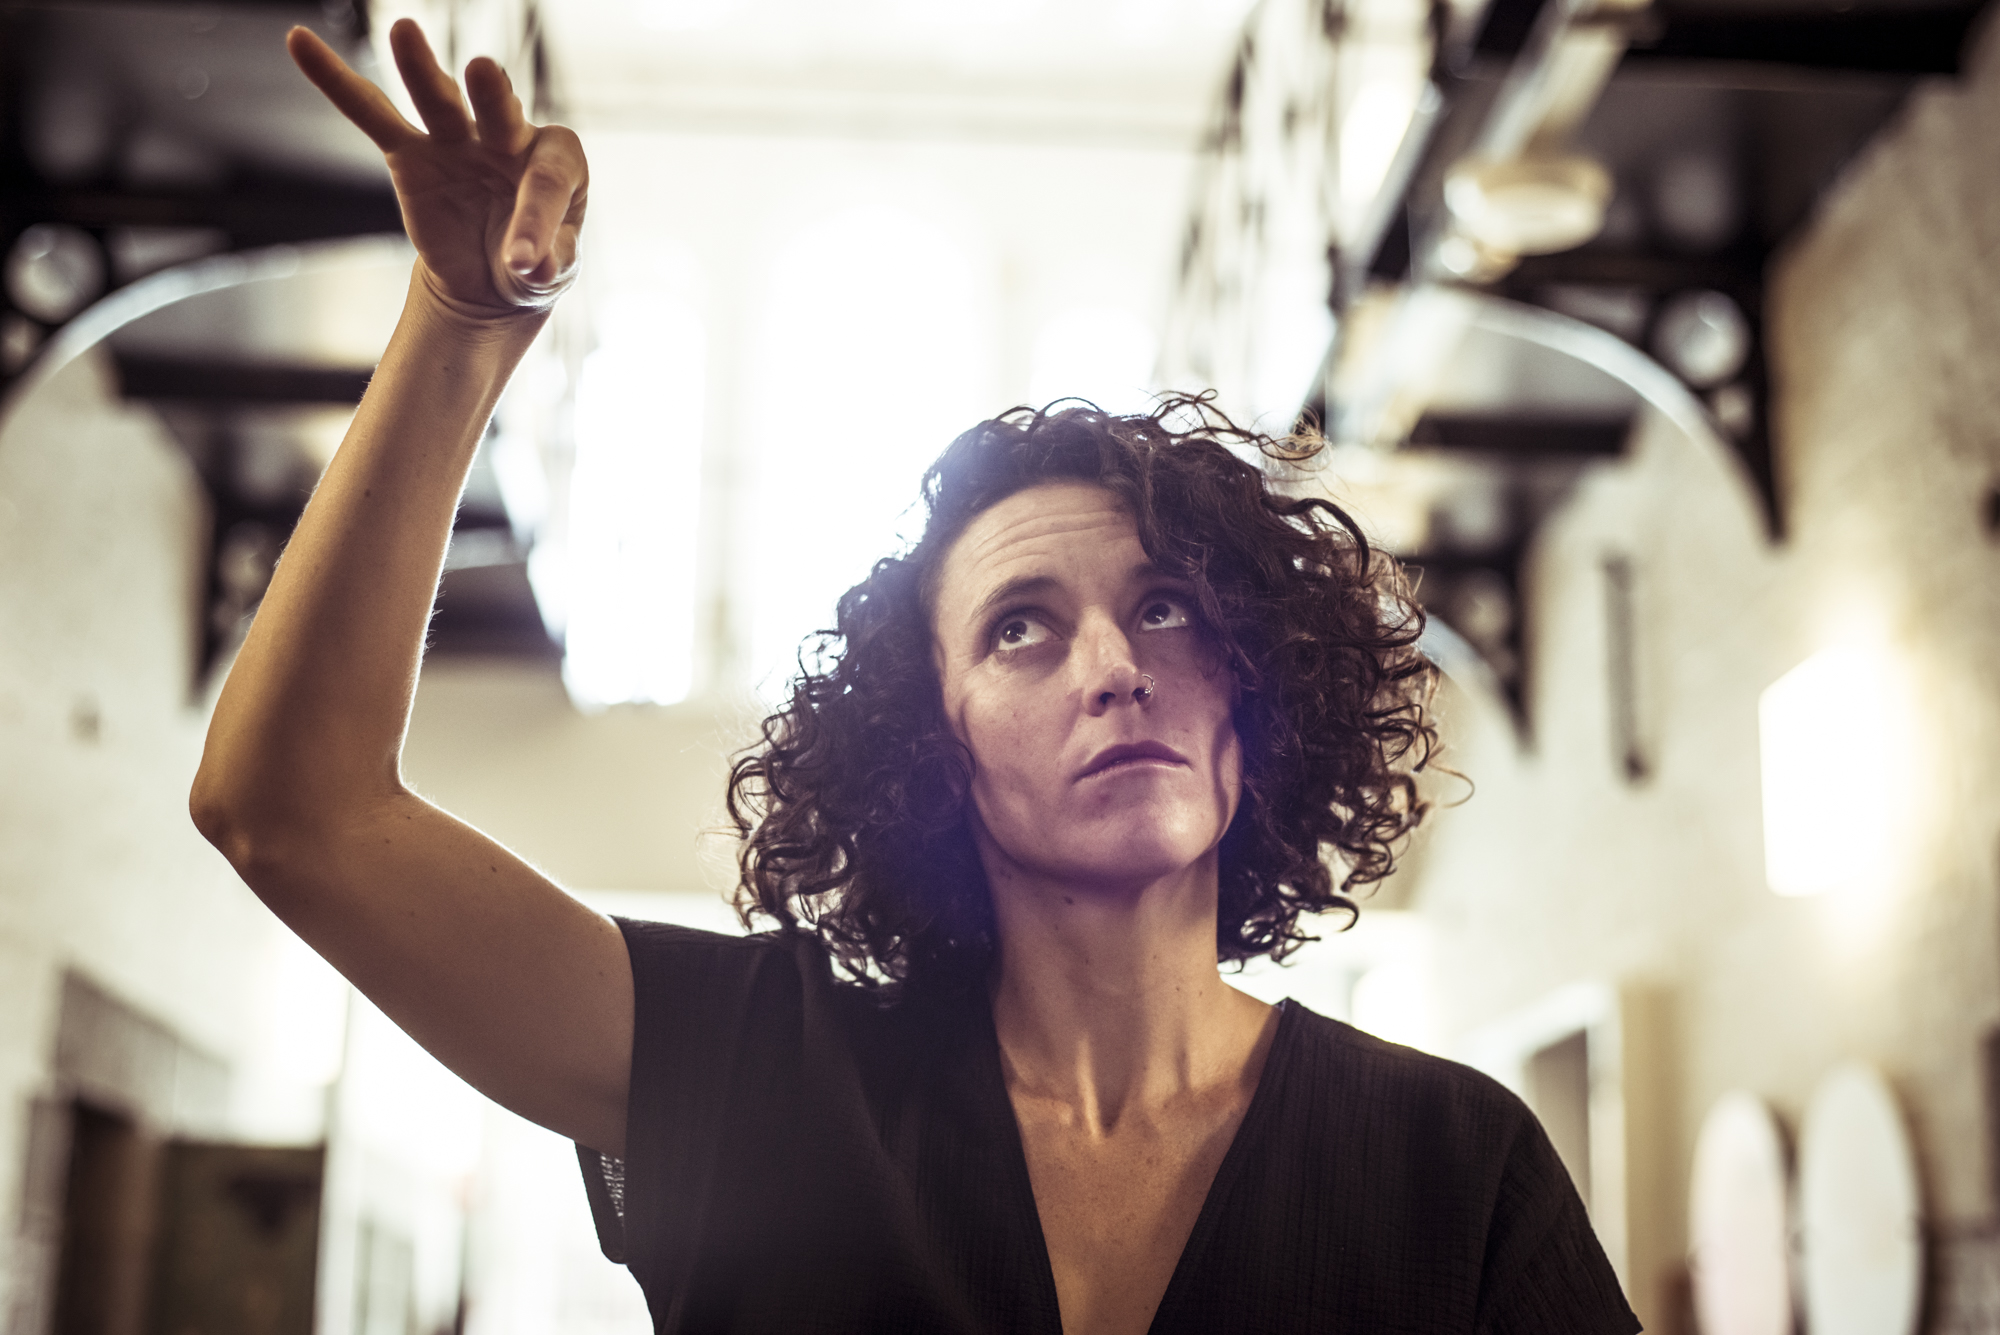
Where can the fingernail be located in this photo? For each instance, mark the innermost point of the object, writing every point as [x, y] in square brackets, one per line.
[521, 255]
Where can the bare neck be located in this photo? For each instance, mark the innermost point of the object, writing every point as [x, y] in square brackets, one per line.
[1108, 1001]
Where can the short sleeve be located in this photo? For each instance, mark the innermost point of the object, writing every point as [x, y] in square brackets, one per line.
[604, 1187]
[1545, 1271]
[710, 1014]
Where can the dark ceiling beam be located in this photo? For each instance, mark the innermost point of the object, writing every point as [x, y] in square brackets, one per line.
[349, 17]
[1499, 29]
[253, 211]
[1523, 437]
[1646, 271]
[1873, 41]
[489, 609]
[194, 380]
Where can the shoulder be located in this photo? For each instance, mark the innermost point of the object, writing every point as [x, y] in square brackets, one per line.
[697, 994]
[1408, 1133]
[666, 938]
[1398, 1093]
[1438, 1168]
[657, 946]
[739, 985]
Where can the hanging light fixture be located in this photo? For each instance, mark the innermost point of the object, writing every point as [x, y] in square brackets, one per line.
[1534, 205]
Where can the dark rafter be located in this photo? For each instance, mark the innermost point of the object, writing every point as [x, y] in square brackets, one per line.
[194, 380]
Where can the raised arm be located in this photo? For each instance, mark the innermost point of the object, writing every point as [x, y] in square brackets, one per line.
[520, 989]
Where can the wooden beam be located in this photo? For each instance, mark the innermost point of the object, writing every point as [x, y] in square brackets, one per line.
[201, 380]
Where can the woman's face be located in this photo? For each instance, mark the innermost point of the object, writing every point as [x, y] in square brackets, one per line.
[1049, 620]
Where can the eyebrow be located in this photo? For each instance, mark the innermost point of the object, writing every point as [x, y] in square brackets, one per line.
[1021, 586]
[1026, 586]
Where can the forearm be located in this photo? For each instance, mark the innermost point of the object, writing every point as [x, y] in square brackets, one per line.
[312, 718]
[512, 983]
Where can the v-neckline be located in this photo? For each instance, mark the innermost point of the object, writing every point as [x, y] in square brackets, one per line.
[1023, 1186]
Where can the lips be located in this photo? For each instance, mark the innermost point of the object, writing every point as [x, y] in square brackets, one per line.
[1130, 753]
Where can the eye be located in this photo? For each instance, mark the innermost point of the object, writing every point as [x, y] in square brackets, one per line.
[1020, 631]
[1164, 614]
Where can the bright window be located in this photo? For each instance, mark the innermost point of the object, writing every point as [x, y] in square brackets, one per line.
[634, 509]
[873, 356]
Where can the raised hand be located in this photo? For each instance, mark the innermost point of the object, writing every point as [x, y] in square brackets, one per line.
[493, 203]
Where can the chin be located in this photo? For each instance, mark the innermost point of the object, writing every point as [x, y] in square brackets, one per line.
[1135, 857]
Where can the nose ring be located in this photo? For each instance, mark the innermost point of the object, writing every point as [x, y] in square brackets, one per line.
[1144, 693]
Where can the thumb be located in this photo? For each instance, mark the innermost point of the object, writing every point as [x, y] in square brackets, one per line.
[550, 187]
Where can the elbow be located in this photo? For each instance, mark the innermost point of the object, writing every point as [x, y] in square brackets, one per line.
[262, 853]
[270, 832]
[258, 837]
[219, 818]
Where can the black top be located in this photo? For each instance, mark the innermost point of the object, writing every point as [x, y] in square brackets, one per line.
[802, 1159]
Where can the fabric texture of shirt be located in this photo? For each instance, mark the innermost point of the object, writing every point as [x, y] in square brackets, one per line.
[803, 1159]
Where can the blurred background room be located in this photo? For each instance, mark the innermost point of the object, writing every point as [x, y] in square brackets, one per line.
[1661, 336]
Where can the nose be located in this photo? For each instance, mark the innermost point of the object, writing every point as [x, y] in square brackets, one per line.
[1111, 674]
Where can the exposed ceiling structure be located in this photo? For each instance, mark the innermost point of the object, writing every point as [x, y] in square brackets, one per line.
[1414, 217]
[172, 189]
[140, 136]
[1576, 217]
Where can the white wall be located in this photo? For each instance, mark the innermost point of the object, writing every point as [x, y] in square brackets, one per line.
[614, 801]
[102, 536]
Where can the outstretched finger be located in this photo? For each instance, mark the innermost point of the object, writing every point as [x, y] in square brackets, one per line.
[502, 125]
[551, 190]
[357, 99]
[434, 92]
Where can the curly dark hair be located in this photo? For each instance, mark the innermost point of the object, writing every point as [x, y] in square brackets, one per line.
[852, 806]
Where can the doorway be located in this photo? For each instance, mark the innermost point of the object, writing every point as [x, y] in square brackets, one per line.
[107, 1229]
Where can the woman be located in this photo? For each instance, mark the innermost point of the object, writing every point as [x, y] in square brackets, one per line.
[1092, 735]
